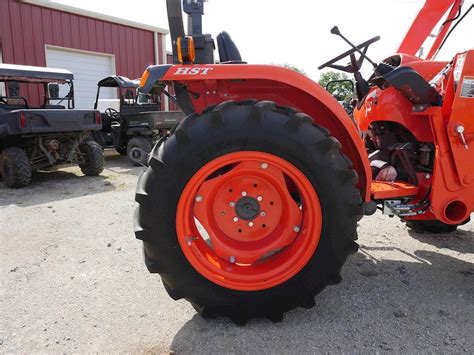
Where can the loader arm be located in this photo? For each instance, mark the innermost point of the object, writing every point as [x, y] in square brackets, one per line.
[424, 24]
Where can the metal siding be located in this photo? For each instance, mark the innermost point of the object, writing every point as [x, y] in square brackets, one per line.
[16, 34]
[65, 29]
[75, 33]
[38, 37]
[47, 25]
[108, 38]
[136, 49]
[128, 38]
[92, 40]
[26, 29]
[27, 32]
[99, 28]
[116, 47]
[5, 27]
[27, 26]
[56, 24]
[84, 32]
[142, 46]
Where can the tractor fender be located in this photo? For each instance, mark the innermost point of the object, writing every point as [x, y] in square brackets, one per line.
[212, 84]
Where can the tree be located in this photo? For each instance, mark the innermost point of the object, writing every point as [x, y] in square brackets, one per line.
[292, 67]
[341, 90]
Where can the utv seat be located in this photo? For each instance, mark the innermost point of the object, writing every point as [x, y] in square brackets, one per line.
[228, 51]
[411, 85]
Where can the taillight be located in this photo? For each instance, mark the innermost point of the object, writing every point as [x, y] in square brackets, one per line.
[22, 120]
[98, 118]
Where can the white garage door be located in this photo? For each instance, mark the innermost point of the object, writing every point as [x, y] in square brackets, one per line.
[88, 69]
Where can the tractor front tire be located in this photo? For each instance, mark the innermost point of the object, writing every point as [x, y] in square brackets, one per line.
[93, 155]
[145, 146]
[255, 140]
[16, 167]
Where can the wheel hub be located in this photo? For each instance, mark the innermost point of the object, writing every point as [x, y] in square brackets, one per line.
[242, 228]
[247, 208]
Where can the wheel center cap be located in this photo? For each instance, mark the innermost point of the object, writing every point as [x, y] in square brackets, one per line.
[247, 208]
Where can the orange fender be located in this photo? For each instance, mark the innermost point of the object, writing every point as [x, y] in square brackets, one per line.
[211, 84]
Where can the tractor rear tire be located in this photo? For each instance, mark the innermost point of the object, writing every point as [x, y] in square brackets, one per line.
[142, 143]
[432, 227]
[94, 158]
[16, 167]
[246, 128]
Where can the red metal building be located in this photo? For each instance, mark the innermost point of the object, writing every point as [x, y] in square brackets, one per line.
[91, 45]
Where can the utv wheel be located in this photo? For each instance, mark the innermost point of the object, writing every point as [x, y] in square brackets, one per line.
[16, 168]
[136, 148]
[433, 227]
[248, 211]
[93, 154]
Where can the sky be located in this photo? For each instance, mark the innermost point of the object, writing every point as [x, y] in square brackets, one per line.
[296, 32]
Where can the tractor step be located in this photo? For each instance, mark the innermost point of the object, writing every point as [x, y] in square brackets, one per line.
[382, 190]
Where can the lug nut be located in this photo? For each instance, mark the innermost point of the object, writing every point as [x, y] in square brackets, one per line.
[250, 224]
[232, 204]
[235, 219]
[259, 198]
[263, 214]
[264, 166]
[244, 193]
[232, 259]
[297, 229]
[198, 198]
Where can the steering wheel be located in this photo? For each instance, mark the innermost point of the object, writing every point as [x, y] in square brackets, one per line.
[112, 113]
[2, 100]
[355, 65]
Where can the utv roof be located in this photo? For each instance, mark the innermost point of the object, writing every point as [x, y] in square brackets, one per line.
[24, 73]
[116, 81]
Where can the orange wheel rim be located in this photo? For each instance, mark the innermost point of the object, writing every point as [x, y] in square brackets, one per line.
[248, 221]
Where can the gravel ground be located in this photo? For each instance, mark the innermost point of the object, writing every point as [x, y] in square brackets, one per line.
[73, 280]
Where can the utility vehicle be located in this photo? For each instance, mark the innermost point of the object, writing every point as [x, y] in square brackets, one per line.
[135, 122]
[250, 207]
[39, 137]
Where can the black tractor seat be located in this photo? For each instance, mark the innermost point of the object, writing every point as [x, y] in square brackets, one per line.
[228, 51]
[411, 85]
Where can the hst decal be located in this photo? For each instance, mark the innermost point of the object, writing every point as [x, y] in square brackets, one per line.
[192, 71]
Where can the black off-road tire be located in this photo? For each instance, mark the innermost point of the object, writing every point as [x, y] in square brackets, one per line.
[142, 143]
[16, 167]
[94, 158]
[433, 227]
[247, 126]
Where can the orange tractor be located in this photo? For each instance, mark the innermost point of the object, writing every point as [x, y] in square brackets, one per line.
[250, 206]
